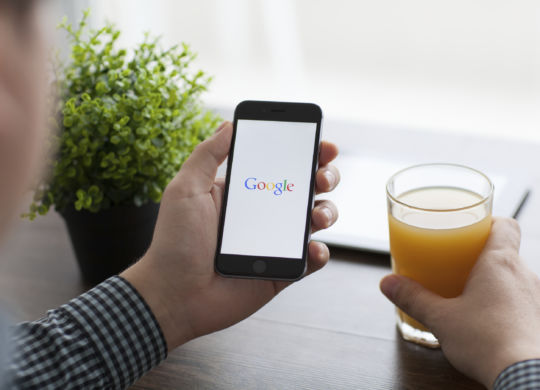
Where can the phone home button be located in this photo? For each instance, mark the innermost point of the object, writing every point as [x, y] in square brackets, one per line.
[259, 266]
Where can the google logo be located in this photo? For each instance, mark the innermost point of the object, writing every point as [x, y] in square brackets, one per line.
[278, 188]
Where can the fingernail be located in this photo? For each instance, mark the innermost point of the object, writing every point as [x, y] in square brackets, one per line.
[330, 177]
[324, 254]
[389, 286]
[221, 127]
[328, 214]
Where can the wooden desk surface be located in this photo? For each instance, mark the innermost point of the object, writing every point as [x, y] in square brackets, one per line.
[332, 330]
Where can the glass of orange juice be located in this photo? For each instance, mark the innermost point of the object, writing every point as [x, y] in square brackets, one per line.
[439, 217]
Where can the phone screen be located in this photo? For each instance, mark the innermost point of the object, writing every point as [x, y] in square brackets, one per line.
[269, 187]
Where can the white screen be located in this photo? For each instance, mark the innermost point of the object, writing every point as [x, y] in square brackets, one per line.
[269, 189]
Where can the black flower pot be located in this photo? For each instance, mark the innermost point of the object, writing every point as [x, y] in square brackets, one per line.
[107, 242]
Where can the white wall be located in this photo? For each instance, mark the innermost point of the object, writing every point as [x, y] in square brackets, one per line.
[461, 65]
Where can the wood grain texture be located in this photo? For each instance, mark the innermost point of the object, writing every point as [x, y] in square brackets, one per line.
[271, 355]
[332, 330]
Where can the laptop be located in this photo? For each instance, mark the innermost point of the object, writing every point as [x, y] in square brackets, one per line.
[361, 200]
[361, 194]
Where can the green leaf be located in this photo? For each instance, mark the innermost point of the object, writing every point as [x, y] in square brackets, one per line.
[126, 120]
[71, 172]
[101, 88]
[93, 190]
[68, 121]
[158, 142]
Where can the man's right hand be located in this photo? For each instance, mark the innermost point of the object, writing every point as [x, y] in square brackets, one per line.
[176, 276]
[495, 322]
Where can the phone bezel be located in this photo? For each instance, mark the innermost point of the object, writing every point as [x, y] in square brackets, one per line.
[277, 268]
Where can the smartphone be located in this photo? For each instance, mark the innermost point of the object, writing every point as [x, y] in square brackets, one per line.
[265, 222]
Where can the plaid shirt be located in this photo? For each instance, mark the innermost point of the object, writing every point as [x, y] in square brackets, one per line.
[523, 375]
[106, 339]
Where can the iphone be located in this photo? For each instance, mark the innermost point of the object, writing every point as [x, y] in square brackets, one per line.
[265, 221]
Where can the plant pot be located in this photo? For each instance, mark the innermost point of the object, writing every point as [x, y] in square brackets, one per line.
[107, 242]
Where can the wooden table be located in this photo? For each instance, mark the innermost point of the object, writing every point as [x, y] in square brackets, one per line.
[333, 330]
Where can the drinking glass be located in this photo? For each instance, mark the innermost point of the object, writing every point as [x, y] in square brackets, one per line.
[439, 217]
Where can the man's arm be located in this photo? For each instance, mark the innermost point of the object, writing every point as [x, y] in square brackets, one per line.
[106, 338]
[110, 336]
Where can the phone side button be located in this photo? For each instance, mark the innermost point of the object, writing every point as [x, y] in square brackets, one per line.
[259, 266]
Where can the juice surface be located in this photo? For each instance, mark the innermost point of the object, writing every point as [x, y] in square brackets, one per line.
[423, 249]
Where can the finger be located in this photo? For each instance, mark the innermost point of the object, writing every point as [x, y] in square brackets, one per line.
[222, 126]
[411, 297]
[220, 182]
[505, 235]
[199, 171]
[217, 193]
[327, 179]
[323, 215]
[327, 152]
[318, 256]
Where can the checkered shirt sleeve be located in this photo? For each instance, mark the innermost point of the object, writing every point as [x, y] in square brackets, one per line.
[104, 339]
[523, 375]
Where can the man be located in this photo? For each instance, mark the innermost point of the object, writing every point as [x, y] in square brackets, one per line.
[111, 335]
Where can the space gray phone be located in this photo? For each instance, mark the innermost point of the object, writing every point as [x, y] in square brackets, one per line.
[265, 220]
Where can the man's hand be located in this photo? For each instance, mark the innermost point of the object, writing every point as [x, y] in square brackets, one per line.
[176, 276]
[495, 322]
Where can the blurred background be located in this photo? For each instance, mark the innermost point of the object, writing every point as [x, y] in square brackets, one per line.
[444, 66]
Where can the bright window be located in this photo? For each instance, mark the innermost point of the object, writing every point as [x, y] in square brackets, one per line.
[461, 66]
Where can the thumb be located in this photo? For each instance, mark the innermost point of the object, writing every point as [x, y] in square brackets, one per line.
[411, 297]
[199, 171]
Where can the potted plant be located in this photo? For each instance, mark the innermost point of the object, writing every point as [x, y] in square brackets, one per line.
[125, 124]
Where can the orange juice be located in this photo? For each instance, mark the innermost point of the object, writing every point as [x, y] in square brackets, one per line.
[437, 244]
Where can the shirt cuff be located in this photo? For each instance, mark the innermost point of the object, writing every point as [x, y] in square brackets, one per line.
[519, 376]
[122, 328]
